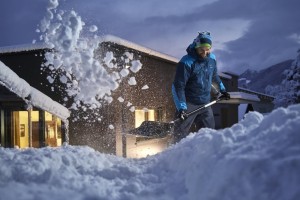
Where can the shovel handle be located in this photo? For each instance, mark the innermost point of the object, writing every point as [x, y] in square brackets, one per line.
[200, 108]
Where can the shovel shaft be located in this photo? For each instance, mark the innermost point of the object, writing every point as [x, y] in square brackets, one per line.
[202, 107]
[198, 109]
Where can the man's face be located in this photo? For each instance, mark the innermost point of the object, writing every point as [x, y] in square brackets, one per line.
[203, 51]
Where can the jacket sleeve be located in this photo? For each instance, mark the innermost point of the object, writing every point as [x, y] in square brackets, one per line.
[182, 75]
[217, 79]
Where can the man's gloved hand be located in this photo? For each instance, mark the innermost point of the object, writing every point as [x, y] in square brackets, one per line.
[225, 95]
[182, 115]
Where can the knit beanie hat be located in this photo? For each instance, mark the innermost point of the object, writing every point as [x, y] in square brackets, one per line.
[203, 40]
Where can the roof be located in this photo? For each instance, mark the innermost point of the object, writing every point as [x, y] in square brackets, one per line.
[21, 88]
[245, 96]
[231, 73]
[126, 43]
[222, 74]
[23, 47]
[254, 92]
[105, 38]
[241, 98]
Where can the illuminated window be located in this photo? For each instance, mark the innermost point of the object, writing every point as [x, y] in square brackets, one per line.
[143, 115]
[35, 129]
[53, 130]
[49, 135]
[20, 136]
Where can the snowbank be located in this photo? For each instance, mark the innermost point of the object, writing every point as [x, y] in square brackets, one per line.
[258, 158]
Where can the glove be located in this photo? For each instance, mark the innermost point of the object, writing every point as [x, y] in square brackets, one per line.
[225, 95]
[182, 115]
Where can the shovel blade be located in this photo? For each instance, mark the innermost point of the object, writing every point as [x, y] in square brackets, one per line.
[153, 129]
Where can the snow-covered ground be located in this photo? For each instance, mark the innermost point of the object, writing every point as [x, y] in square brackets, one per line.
[258, 158]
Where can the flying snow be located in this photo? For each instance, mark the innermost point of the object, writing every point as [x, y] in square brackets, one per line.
[145, 87]
[86, 77]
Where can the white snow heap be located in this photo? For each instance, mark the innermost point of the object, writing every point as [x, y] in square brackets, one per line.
[124, 72]
[20, 87]
[93, 28]
[145, 87]
[128, 55]
[87, 79]
[120, 99]
[108, 59]
[64, 35]
[257, 158]
[243, 95]
[132, 81]
[111, 126]
[132, 109]
[126, 43]
[136, 66]
[288, 92]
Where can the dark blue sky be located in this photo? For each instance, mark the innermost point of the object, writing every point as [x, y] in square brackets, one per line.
[246, 34]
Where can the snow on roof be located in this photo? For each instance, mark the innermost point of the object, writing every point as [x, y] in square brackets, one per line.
[231, 73]
[20, 87]
[244, 96]
[222, 74]
[23, 47]
[126, 43]
[105, 38]
[240, 88]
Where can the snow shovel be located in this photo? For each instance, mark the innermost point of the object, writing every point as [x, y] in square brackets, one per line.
[215, 92]
[156, 129]
[198, 109]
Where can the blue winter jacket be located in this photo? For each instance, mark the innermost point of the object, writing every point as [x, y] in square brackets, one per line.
[193, 79]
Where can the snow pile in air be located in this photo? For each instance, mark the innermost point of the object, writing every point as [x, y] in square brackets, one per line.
[74, 62]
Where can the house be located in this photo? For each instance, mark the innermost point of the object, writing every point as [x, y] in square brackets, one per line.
[264, 105]
[28, 118]
[152, 104]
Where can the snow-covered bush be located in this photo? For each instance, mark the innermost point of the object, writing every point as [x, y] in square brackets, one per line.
[288, 92]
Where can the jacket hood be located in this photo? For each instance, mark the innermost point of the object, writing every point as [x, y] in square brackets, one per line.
[192, 51]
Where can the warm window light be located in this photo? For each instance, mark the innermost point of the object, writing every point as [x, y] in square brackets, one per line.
[150, 150]
[35, 116]
[143, 115]
[146, 147]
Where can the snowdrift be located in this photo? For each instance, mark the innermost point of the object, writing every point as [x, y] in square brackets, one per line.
[258, 158]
